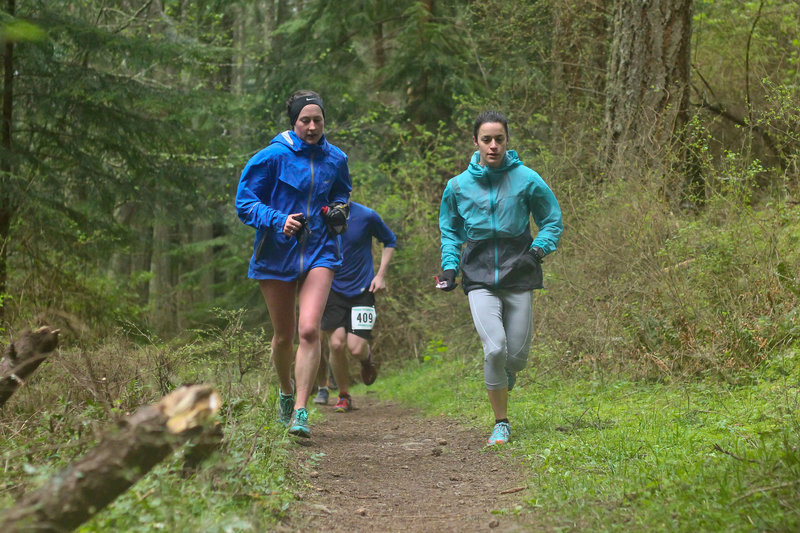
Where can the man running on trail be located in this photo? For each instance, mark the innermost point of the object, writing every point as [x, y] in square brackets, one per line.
[350, 311]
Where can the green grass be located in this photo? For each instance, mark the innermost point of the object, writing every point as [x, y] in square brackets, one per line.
[243, 488]
[602, 452]
[606, 453]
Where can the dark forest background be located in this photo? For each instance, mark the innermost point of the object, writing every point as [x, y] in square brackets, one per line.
[667, 130]
[662, 386]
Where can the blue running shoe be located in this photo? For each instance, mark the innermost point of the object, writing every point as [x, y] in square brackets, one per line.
[285, 408]
[299, 424]
[512, 379]
[501, 434]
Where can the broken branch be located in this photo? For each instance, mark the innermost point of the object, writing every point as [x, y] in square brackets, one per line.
[91, 483]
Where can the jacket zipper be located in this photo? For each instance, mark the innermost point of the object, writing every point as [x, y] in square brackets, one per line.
[260, 245]
[308, 216]
[493, 205]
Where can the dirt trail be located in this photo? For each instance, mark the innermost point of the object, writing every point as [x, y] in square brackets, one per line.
[381, 468]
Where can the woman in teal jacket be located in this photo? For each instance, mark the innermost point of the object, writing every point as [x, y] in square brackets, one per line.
[282, 193]
[486, 211]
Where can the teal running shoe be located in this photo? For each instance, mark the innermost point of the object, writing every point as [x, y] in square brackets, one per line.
[285, 408]
[512, 379]
[501, 434]
[299, 424]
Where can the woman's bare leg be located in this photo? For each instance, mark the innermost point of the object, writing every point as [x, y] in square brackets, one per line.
[338, 359]
[312, 296]
[499, 402]
[280, 297]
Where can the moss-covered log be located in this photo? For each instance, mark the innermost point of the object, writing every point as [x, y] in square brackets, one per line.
[89, 484]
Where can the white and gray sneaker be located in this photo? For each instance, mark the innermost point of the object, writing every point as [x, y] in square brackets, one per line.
[322, 396]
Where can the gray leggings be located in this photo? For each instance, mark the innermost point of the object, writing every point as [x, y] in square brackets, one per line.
[503, 321]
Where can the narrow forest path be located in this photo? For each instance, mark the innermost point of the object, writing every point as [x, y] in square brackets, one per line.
[382, 467]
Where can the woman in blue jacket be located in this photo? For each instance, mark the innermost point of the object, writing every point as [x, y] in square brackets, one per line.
[282, 193]
[486, 211]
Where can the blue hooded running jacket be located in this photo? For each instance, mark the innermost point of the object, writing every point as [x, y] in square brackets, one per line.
[292, 176]
[489, 209]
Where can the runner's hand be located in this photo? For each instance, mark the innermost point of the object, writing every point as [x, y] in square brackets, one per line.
[378, 284]
[336, 215]
[446, 280]
[537, 253]
[293, 224]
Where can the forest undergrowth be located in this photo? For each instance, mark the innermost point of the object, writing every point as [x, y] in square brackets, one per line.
[603, 449]
[663, 386]
[662, 390]
[605, 452]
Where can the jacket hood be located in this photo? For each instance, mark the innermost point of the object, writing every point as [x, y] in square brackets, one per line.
[511, 160]
[290, 140]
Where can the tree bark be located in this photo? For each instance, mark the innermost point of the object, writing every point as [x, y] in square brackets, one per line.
[5, 162]
[23, 356]
[579, 55]
[92, 482]
[418, 94]
[160, 300]
[378, 42]
[647, 98]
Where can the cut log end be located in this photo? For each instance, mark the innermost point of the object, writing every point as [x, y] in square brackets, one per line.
[189, 407]
[90, 483]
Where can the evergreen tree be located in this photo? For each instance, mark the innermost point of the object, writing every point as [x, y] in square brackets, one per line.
[117, 125]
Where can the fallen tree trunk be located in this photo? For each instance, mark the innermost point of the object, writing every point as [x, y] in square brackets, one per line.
[115, 464]
[200, 447]
[23, 356]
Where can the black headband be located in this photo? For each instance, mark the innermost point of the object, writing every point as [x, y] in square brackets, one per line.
[300, 103]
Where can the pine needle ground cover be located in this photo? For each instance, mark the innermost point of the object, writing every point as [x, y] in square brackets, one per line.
[607, 453]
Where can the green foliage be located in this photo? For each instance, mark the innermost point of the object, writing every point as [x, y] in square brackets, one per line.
[13, 30]
[409, 54]
[230, 346]
[606, 453]
[679, 293]
[745, 63]
[435, 352]
[107, 136]
[77, 397]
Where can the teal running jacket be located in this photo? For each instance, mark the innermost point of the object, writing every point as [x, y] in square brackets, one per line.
[487, 212]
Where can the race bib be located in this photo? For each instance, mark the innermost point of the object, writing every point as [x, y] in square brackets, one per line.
[362, 317]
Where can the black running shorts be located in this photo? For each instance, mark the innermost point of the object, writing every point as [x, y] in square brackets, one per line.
[337, 312]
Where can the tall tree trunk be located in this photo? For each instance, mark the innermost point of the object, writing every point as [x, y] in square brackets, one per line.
[418, 93]
[280, 14]
[160, 301]
[647, 95]
[379, 50]
[200, 266]
[579, 56]
[5, 162]
[204, 292]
